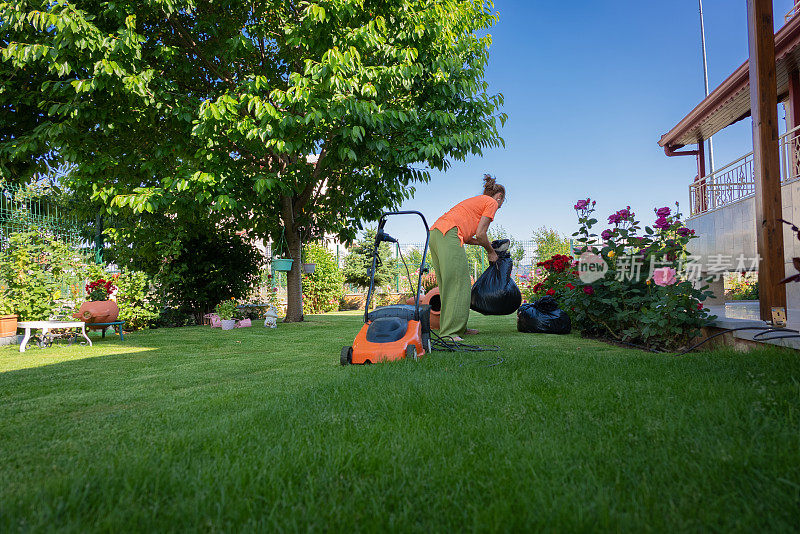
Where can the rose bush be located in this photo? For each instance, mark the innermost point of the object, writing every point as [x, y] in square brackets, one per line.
[556, 276]
[646, 296]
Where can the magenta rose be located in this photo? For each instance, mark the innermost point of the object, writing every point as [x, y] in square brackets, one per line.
[663, 212]
[582, 204]
[662, 223]
[683, 231]
[607, 234]
[621, 216]
[589, 290]
[665, 276]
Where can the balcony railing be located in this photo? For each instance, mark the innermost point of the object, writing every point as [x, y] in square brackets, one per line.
[736, 181]
[792, 13]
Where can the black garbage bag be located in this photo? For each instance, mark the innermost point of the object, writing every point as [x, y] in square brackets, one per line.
[543, 317]
[494, 292]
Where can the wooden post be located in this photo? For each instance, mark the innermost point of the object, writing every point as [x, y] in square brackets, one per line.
[793, 111]
[793, 121]
[701, 175]
[766, 160]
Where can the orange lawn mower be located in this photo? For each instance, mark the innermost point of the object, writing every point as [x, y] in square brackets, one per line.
[397, 331]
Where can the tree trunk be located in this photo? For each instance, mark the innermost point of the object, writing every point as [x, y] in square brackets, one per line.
[294, 280]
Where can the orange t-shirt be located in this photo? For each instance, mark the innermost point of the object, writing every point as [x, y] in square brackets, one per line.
[466, 215]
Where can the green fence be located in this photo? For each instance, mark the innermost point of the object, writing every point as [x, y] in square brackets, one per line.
[25, 207]
[29, 207]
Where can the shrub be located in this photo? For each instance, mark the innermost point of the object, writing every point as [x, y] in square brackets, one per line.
[32, 266]
[136, 301]
[174, 317]
[347, 303]
[207, 269]
[661, 309]
[556, 276]
[743, 288]
[6, 305]
[325, 286]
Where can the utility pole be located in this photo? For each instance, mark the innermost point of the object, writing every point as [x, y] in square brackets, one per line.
[705, 80]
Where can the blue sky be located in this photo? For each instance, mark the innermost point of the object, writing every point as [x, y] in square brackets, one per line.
[589, 88]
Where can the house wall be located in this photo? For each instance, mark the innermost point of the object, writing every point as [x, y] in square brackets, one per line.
[731, 232]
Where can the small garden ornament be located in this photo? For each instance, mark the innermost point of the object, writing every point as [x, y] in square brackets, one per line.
[271, 318]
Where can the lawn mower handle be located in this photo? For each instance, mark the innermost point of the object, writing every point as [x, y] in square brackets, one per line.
[379, 237]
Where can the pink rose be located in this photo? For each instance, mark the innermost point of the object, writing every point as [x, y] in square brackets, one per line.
[665, 276]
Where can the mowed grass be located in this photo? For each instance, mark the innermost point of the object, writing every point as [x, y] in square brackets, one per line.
[200, 429]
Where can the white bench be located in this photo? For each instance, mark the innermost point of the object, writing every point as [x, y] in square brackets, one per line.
[46, 326]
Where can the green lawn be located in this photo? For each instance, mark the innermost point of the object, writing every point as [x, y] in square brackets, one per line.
[199, 429]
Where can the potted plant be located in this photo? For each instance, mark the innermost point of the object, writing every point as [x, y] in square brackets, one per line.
[308, 268]
[227, 314]
[280, 263]
[98, 307]
[8, 320]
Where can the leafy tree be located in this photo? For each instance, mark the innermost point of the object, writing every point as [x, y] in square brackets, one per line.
[358, 262]
[323, 288]
[309, 116]
[414, 259]
[549, 243]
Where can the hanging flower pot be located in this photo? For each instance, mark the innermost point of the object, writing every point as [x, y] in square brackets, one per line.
[309, 268]
[282, 264]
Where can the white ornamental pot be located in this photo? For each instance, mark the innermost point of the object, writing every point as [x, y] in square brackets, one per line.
[228, 324]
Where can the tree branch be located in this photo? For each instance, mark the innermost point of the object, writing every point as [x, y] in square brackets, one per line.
[305, 195]
[191, 43]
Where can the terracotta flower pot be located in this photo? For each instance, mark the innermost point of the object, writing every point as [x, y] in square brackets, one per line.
[433, 298]
[8, 325]
[97, 311]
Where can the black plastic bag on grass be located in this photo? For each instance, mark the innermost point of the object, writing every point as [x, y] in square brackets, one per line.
[494, 292]
[543, 317]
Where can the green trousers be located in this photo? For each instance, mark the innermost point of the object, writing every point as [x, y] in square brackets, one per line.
[449, 261]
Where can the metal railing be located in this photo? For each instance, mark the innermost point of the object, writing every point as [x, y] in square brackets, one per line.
[792, 13]
[25, 207]
[736, 180]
